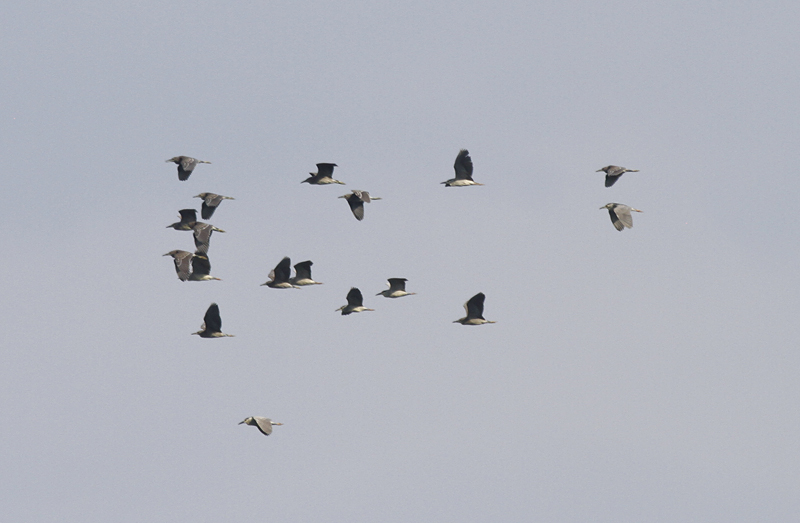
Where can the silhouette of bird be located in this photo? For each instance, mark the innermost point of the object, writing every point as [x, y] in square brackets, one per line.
[463, 167]
[212, 324]
[474, 308]
[613, 173]
[280, 276]
[210, 203]
[620, 215]
[303, 274]
[356, 201]
[264, 424]
[183, 263]
[186, 165]
[355, 303]
[323, 176]
[202, 235]
[397, 288]
[188, 219]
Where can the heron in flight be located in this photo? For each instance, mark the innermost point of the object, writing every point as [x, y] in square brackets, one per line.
[355, 303]
[183, 263]
[614, 172]
[303, 274]
[212, 324]
[463, 167]
[264, 424]
[280, 276]
[323, 176]
[397, 288]
[356, 200]
[202, 231]
[186, 165]
[474, 308]
[620, 215]
[210, 203]
[188, 219]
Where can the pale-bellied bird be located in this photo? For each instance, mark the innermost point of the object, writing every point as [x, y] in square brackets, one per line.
[280, 276]
[356, 201]
[620, 215]
[323, 176]
[212, 324]
[397, 288]
[264, 424]
[463, 167]
[474, 308]
[355, 303]
[303, 274]
[186, 165]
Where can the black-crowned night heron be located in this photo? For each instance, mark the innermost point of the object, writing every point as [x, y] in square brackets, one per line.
[613, 173]
[356, 201]
[620, 215]
[397, 288]
[210, 203]
[183, 263]
[463, 167]
[202, 235]
[474, 308]
[188, 219]
[355, 303]
[264, 424]
[303, 274]
[212, 324]
[201, 267]
[323, 176]
[186, 165]
[280, 276]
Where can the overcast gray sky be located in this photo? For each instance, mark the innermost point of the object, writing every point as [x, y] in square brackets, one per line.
[648, 375]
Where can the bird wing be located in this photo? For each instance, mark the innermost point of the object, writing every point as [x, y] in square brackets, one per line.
[356, 205]
[463, 165]
[201, 265]
[188, 216]
[354, 298]
[397, 284]
[282, 271]
[303, 270]
[202, 236]
[475, 306]
[611, 179]
[324, 170]
[623, 212]
[615, 170]
[188, 164]
[264, 425]
[615, 219]
[183, 264]
[212, 319]
[210, 203]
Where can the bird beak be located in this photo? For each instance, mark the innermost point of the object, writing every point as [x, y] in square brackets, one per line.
[240, 422]
[599, 170]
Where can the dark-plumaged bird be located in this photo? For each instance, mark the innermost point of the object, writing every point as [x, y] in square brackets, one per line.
[397, 288]
[201, 268]
[188, 219]
[620, 215]
[355, 303]
[614, 172]
[202, 235]
[183, 263]
[186, 165]
[212, 324]
[356, 201]
[303, 274]
[264, 424]
[463, 167]
[474, 308]
[210, 203]
[280, 276]
[323, 176]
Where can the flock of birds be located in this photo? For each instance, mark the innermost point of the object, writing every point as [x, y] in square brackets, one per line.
[195, 266]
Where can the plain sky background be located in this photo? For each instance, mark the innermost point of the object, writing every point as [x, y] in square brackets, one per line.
[648, 375]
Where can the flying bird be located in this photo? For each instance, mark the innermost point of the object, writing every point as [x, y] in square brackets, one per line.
[323, 176]
[620, 215]
[474, 308]
[212, 324]
[188, 219]
[201, 268]
[186, 165]
[303, 274]
[355, 303]
[264, 424]
[397, 288]
[356, 201]
[183, 263]
[210, 203]
[280, 276]
[614, 172]
[202, 235]
[463, 167]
